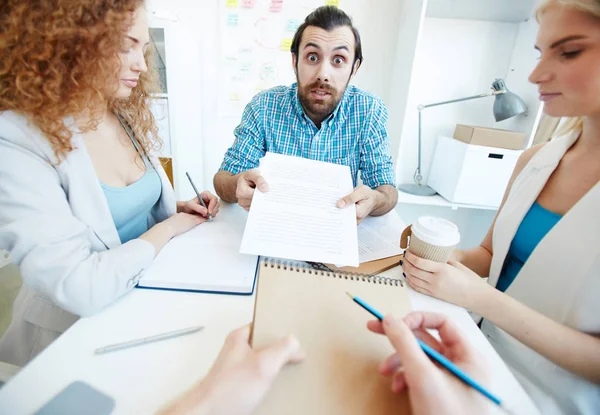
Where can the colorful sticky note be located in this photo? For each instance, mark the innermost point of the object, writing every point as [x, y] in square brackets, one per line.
[248, 3]
[276, 5]
[231, 3]
[335, 3]
[292, 25]
[233, 19]
[286, 44]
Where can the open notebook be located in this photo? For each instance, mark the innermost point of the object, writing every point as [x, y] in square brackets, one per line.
[205, 259]
[340, 373]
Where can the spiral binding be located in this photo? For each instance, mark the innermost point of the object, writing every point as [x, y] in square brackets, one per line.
[306, 268]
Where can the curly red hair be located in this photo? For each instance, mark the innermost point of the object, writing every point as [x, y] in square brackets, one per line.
[59, 58]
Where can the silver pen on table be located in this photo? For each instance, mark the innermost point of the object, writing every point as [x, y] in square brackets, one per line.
[146, 340]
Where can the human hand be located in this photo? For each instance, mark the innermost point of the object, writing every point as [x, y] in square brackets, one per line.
[364, 198]
[182, 222]
[432, 389]
[193, 206]
[452, 282]
[246, 185]
[240, 377]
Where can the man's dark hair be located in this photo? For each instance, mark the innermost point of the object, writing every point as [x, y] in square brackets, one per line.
[328, 18]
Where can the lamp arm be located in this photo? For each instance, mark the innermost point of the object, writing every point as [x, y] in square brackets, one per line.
[487, 94]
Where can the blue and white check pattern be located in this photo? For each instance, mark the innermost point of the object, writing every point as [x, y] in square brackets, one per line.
[354, 135]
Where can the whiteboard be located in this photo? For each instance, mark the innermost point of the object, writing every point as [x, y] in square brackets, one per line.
[254, 47]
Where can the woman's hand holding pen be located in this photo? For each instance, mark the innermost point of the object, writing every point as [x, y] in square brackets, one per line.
[431, 389]
[194, 206]
[189, 215]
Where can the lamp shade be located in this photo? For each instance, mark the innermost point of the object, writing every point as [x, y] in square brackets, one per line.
[508, 104]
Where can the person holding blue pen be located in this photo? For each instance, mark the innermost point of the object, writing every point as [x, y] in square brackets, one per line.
[241, 376]
[432, 389]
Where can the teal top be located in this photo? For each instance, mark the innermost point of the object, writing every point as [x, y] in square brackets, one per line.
[131, 205]
[535, 225]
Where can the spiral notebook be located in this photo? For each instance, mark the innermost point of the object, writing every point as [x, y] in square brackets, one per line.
[340, 373]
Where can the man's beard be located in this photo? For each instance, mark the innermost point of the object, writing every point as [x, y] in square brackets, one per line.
[319, 107]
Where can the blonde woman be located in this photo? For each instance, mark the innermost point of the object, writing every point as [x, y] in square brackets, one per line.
[541, 305]
[85, 205]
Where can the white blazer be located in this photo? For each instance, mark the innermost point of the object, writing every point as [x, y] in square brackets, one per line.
[57, 226]
[561, 279]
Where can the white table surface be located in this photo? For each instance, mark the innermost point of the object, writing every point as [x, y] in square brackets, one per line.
[143, 379]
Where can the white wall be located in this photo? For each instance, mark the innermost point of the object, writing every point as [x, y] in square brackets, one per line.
[514, 11]
[185, 69]
[454, 58]
[522, 62]
[378, 27]
[409, 32]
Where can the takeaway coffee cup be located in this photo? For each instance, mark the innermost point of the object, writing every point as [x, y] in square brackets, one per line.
[431, 238]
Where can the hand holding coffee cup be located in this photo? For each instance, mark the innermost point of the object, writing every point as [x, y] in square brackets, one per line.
[431, 238]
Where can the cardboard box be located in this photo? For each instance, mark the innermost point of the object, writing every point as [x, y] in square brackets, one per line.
[471, 174]
[490, 137]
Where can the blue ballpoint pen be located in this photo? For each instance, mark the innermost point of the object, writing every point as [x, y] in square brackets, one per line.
[438, 357]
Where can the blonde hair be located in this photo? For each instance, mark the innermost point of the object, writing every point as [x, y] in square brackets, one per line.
[587, 6]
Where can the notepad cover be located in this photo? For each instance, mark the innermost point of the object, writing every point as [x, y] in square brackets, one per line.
[372, 267]
[340, 373]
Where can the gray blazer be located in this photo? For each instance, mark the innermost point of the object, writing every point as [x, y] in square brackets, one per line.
[57, 226]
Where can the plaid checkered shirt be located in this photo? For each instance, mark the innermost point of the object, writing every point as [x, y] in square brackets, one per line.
[353, 135]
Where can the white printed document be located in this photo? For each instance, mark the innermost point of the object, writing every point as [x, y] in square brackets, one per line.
[298, 217]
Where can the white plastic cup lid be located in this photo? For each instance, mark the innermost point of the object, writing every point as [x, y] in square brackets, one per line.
[436, 231]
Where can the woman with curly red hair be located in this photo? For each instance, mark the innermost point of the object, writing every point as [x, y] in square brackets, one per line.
[86, 205]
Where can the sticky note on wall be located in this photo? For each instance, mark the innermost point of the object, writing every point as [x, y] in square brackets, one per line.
[286, 44]
[231, 3]
[276, 5]
[292, 25]
[335, 3]
[233, 19]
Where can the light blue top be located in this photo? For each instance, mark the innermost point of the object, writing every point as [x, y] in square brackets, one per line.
[131, 205]
[353, 135]
[535, 225]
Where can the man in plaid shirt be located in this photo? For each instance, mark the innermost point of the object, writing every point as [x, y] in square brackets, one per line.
[321, 117]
